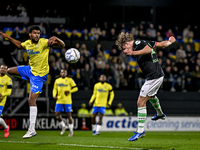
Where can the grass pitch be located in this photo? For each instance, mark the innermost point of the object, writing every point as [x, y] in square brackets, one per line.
[84, 140]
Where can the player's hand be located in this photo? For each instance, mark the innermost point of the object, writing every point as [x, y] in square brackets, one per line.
[128, 52]
[172, 39]
[3, 35]
[0, 95]
[55, 97]
[108, 104]
[52, 40]
[66, 93]
[90, 103]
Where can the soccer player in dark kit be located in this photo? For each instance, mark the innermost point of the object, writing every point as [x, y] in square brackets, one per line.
[147, 60]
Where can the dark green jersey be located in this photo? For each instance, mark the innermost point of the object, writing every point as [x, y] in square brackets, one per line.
[149, 62]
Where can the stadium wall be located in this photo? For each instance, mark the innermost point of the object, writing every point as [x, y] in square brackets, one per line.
[172, 103]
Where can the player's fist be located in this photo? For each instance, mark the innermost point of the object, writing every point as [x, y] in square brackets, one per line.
[128, 52]
[55, 97]
[90, 103]
[3, 35]
[66, 93]
[172, 39]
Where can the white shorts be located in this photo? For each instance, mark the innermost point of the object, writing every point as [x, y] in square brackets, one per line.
[150, 87]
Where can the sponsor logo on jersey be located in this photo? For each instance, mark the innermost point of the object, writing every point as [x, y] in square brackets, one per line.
[101, 90]
[61, 84]
[31, 52]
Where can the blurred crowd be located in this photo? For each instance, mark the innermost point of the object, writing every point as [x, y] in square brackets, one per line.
[181, 63]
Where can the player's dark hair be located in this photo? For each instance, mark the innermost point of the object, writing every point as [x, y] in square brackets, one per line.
[34, 27]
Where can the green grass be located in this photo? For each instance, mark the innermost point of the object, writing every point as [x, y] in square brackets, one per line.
[84, 140]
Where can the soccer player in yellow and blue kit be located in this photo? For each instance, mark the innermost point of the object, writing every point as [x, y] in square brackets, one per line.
[63, 87]
[100, 98]
[37, 72]
[5, 90]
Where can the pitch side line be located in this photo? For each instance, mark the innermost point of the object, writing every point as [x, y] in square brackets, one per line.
[77, 145]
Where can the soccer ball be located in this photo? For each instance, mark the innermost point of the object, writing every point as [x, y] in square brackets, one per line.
[72, 55]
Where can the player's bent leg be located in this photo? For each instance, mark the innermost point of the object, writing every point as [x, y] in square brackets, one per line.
[156, 104]
[13, 71]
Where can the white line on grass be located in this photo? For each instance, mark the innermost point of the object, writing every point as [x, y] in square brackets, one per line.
[78, 145]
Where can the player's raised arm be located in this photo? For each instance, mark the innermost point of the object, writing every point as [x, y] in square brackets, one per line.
[164, 44]
[14, 41]
[54, 41]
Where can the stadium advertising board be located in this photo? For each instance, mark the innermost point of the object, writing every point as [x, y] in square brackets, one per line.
[46, 123]
[170, 124]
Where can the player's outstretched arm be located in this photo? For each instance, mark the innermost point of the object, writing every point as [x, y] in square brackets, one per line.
[14, 41]
[164, 44]
[54, 41]
[144, 51]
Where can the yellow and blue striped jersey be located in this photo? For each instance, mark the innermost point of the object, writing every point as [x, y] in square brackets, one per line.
[60, 86]
[101, 93]
[38, 56]
[5, 88]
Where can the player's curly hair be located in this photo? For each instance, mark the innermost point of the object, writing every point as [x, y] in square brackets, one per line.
[122, 38]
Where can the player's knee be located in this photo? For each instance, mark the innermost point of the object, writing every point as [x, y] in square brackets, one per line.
[140, 103]
[32, 102]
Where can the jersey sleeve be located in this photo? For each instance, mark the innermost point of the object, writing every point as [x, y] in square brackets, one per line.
[8, 90]
[139, 44]
[112, 95]
[23, 44]
[45, 42]
[74, 88]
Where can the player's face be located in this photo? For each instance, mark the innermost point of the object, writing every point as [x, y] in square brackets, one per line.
[63, 73]
[34, 36]
[128, 46]
[3, 69]
[102, 78]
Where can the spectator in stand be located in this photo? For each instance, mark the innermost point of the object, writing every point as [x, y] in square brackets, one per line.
[16, 34]
[24, 34]
[119, 76]
[63, 35]
[53, 53]
[83, 112]
[97, 49]
[187, 79]
[177, 33]
[168, 78]
[60, 64]
[120, 62]
[198, 62]
[55, 32]
[196, 77]
[54, 72]
[135, 31]
[124, 57]
[123, 28]
[176, 79]
[105, 26]
[101, 54]
[120, 111]
[55, 14]
[114, 52]
[92, 63]
[103, 36]
[20, 8]
[62, 54]
[78, 78]
[46, 13]
[10, 10]
[85, 53]
[87, 75]
[169, 33]
[48, 28]
[100, 62]
[188, 34]
[161, 30]
[42, 28]
[95, 31]
[109, 73]
[180, 65]
[81, 63]
[97, 72]
[116, 28]
[180, 53]
[112, 35]
[85, 35]
[159, 37]
[152, 31]
[74, 35]
[129, 76]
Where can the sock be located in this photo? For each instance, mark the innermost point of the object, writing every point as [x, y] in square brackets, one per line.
[71, 127]
[98, 128]
[94, 127]
[2, 122]
[142, 114]
[62, 124]
[32, 117]
[156, 104]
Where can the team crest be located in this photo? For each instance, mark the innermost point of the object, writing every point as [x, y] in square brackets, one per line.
[137, 42]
